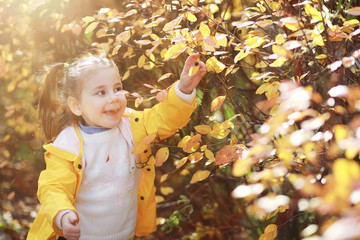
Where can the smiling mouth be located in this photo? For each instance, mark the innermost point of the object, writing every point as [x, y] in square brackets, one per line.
[112, 111]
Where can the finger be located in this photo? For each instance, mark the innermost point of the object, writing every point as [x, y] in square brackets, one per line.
[190, 61]
[202, 69]
[77, 236]
[71, 229]
[73, 220]
[72, 238]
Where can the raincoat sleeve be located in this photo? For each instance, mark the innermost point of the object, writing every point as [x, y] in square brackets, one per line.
[168, 116]
[57, 186]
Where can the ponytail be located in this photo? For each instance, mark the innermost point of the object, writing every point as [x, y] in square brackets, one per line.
[53, 113]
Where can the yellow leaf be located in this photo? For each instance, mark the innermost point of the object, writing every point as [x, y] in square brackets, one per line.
[270, 232]
[172, 24]
[280, 38]
[254, 42]
[200, 176]
[181, 162]
[214, 8]
[217, 102]
[312, 12]
[195, 157]
[281, 51]
[341, 132]
[204, 29]
[116, 50]
[101, 33]
[221, 40]
[161, 156]
[262, 88]
[321, 56]
[141, 61]
[126, 75]
[166, 190]
[318, 40]
[142, 42]
[209, 154]
[351, 23]
[183, 141]
[241, 55]
[191, 17]
[193, 70]
[271, 228]
[88, 19]
[11, 87]
[175, 50]
[278, 62]
[345, 172]
[138, 101]
[166, 75]
[241, 167]
[91, 27]
[163, 177]
[203, 129]
[275, 6]
[159, 199]
[212, 64]
[192, 2]
[130, 13]
[261, 64]
[123, 37]
[294, 26]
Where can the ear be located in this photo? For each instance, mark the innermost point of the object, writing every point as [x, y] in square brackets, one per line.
[74, 106]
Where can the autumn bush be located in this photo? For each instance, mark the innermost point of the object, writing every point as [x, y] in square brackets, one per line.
[271, 152]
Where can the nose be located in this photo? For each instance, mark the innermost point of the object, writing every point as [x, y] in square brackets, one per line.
[114, 97]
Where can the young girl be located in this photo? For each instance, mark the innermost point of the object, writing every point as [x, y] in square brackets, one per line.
[99, 176]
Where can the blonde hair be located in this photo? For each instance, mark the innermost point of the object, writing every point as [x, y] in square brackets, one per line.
[63, 80]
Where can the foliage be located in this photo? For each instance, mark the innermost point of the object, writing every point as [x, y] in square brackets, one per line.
[277, 125]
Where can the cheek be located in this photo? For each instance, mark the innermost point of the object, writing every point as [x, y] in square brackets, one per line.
[123, 101]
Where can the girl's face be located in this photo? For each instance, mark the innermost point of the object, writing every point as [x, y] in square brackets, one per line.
[101, 102]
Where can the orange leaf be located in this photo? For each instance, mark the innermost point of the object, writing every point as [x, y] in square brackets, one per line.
[181, 162]
[230, 153]
[200, 176]
[172, 24]
[203, 129]
[161, 156]
[192, 144]
[149, 138]
[354, 11]
[195, 157]
[217, 102]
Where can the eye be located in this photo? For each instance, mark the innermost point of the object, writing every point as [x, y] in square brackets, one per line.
[117, 89]
[100, 93]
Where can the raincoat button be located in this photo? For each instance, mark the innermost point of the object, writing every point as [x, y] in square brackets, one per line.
[142, 198]
[79, 166]
[136, 119]
[148, 169]
[145, 151]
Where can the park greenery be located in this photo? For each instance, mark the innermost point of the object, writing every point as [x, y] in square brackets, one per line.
[272, 150]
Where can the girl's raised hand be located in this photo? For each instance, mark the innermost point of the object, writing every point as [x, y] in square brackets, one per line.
[70, 226]
[188, 83]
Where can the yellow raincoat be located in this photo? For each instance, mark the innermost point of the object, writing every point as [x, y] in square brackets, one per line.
[59, 182]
